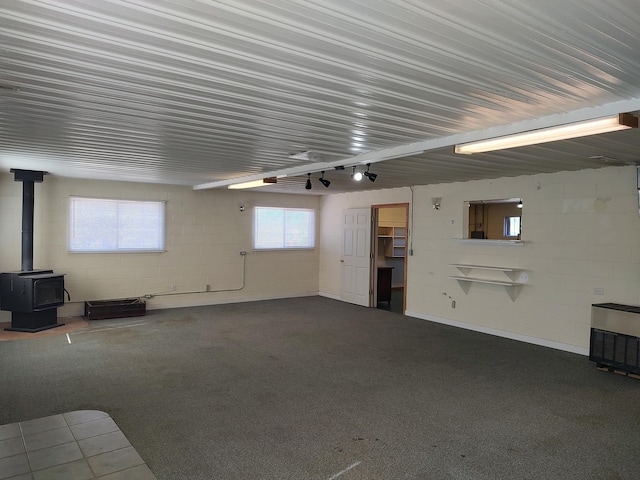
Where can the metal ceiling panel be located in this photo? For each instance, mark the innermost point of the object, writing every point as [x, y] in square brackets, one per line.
[203, 93]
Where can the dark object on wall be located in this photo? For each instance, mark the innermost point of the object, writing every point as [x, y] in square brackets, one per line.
[615, 337]
[120, 308]
[32, 296]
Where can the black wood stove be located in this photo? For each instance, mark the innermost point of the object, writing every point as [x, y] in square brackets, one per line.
[32, 296]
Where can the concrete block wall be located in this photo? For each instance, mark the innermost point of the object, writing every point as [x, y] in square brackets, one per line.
[205, 232]
[581, 233]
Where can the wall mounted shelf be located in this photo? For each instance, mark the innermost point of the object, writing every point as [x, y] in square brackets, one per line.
[517, 278]
[480, 241]
[465, 268]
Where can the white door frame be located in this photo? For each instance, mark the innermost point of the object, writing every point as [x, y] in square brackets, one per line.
[375, 217]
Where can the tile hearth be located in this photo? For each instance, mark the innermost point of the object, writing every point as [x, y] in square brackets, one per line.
[79, 445]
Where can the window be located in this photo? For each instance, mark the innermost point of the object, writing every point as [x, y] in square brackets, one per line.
[103, 225]
[512, 226]
[495, 219]
[276, 228]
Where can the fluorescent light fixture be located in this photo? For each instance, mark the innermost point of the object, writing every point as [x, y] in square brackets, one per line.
[253, 183]
[613, 123]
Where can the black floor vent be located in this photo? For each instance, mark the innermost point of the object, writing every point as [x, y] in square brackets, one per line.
[615, 350]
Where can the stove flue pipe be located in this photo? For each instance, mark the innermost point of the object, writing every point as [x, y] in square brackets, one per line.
[28, 178]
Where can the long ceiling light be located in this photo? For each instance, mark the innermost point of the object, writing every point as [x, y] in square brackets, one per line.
[253, 183]
[621, 121]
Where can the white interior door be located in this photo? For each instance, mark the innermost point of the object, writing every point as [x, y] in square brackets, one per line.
[356, 256]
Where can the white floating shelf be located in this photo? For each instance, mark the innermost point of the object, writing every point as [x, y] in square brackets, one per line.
[512, 286]
[465, 268]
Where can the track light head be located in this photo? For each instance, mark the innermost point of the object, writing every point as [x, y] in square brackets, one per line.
[369, 175]
[357, 176]
[308, 184]
[324, 182]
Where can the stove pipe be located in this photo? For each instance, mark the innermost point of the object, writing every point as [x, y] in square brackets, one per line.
[28, 178]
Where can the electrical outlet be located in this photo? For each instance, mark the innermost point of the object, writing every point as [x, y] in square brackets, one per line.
[173, 287]
[598, 291]
[453, 304]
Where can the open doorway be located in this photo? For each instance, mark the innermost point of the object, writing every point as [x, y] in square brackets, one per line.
[389, 259]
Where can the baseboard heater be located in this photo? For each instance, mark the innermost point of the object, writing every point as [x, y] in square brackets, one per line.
[123, 307]
[615, 337]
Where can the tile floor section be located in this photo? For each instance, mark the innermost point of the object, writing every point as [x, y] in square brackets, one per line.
[80, 445]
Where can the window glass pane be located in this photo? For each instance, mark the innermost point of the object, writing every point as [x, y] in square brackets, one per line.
[511, 226]
[104, 225]
[299, 229]
[276, 228]
[269, 227]
[140, 225]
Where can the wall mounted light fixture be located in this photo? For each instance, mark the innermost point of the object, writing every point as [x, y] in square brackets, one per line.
[621, 121]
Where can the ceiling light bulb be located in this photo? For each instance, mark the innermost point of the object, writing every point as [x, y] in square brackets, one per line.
[357, 176]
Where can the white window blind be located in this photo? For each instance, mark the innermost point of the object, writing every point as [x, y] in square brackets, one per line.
[104, 225]
[281, 228]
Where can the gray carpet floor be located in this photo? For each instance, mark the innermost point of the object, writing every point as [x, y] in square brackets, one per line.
[313, 388]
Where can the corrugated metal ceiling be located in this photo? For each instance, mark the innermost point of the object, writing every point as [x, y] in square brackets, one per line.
[202, 92]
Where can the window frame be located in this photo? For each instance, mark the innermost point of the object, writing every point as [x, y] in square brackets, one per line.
[159, 232]
[283, 247]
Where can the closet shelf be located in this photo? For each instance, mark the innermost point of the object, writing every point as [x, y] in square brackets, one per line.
[395, 240]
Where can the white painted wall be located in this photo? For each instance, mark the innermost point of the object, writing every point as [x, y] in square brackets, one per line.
[581, 231]
[205, 233]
